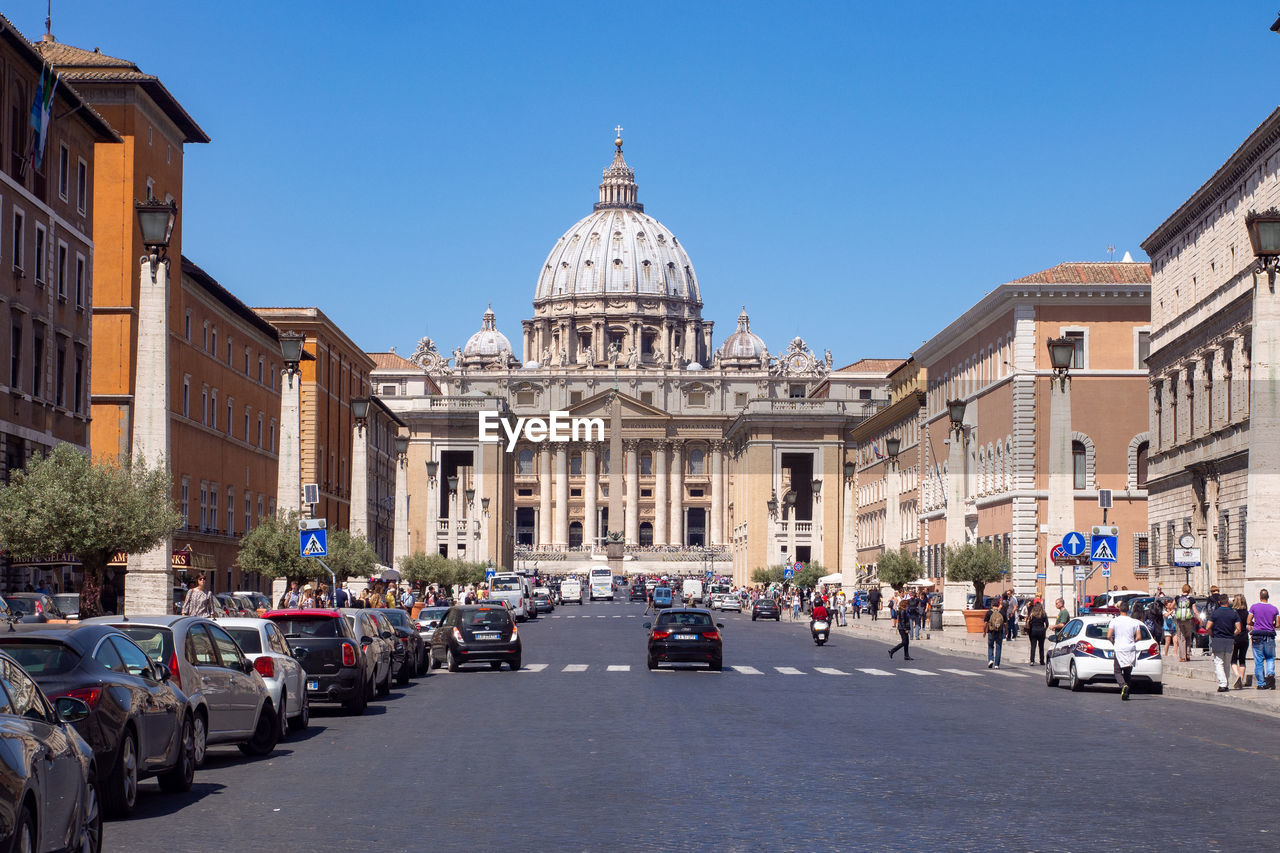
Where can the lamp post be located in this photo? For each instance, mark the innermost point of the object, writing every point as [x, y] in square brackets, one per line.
[360, 467]
[289, 482]
[400, 549]
[484, 529]
[452, 482]
[789, 501]
[849, 546]
[149, 581]
[954, 594]
[1060, 509]
[468, 537]
[892, 491]
[433, 508]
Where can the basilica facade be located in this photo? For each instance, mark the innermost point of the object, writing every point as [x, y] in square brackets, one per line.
[706, 454]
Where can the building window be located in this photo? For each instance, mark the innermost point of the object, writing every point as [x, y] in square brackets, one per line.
[80, 270]
[524, 462]
[1143, 448]
[19, 240]
[231, 512]
[246, 361]
[229, 348]
[272, 433]
[246, 424]
[1224, 534]
[213, 342]
[60, 375]
[259, 442]
[1078, 353]
[64, 171]
[646, 397]
[213, 508]
[1141, 553]
[37, 357]
[248, 513]
[260, 363]
[646, 534]
[1171, 538]
[186, 502]
[186, 332]
[740, 399]
[40, 262]
[1154, 542]
[646, 464]
[186, 397]
[524, 398]
[575, 465]
[575, 397]
[864, 393]
[388, 390]
[1143, 349]
[796, 392]
[78, 383]
[82, 186]
[62, 272]
[204, 340]
[151, 182]
[260, 512]
[1243, 513]
[15, 353]
[1078, 464]
[204, 405]
[204, 505]
[213, 410]
[230, 415]
[696, 460]
[697, 398]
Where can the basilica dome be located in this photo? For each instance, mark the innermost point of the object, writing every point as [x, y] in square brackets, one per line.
[744, 348]
[618, 250]
[487, 345]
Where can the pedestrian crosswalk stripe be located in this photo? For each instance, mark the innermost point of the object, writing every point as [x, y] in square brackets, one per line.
[788, 670]
[746, 670]
[959, 672]
[874, 671]
[918, 671]
[534, 667]
[574, 616]
[617, 616]
[625, 667]
[1010, 674]
[575, 667]
[826, 670]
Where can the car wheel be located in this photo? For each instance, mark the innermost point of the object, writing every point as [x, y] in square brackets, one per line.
[265, 735]
[402, 677]
[201, 733]
[302, 721]
[282, 716]
[778, 618]
[356, 704]
[178, 778]
[753, 617]
[452, 660]
[1158, 688]
[423, 661]
[717, 665]
[24, 832]
[385, 687]
[514, 663]
[122, 784]
[495, 665]
[653, 664]
[1073, 679]
[90, 817]
[369, 688]
[433, 663]
[1050, 679]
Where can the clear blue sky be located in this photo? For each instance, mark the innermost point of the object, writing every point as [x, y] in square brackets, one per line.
[856, 173]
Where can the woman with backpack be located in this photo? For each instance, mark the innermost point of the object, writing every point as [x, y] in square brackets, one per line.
[1037, 628]
[995, 633]
[1184, 618]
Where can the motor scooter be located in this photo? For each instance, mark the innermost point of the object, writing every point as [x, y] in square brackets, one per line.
[820, 629]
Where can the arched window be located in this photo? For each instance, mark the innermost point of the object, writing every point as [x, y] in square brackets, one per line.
[646, 464]
[524, 462]
[575, 464]
[646, 533]
[575, 534]
[1078, 464]
[695, 462]
[1142, 464]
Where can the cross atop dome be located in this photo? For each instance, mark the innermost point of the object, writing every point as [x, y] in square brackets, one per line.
[618, 140]
[618, 189]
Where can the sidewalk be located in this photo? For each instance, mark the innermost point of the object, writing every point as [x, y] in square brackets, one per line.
[1192, 680]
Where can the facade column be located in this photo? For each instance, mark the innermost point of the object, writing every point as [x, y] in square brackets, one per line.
[1168, 413]
[1184, 377]
[677, 492]
[632, 508]
[717, 493]
[562, 497]
[955, 594]
[590, 492]
[1200, 417]
[400, 537]
[148, 585]
[1061, 507]
[660, 491]
[360, 481]
[544, 494]
[1240, 380]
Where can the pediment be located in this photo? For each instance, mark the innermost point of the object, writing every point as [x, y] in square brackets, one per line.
[600, 406]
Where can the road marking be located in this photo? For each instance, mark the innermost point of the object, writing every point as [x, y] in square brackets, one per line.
[533, 667]
[959, 672]
[874, 671]
[626, 667]
[826, 670]
[918, 671]
[746, 670]
[575, 667]
[618, 616]
[1010, 674]
[788, 670]
[602, 616]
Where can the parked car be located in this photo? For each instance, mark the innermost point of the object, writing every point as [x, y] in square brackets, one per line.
[68, 603]
[138, 724]
[230, 699]
[261, 604]
[476, 634]
[233, 606]
[1081, 654]
[413, 647]
[180, 595]
[324, 642]
[766, 608]
[377, 642]
[429, 618]
[685, 635]
[264, 643]
[542, 602]
[34, 606]
[49, 777]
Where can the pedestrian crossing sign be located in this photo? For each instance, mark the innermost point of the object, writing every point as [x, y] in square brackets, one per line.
[313, 543]
[1104, 549]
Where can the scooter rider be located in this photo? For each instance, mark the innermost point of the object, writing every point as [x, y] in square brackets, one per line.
[819, 614]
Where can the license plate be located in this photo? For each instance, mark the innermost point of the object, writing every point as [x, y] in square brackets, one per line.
[686, 637]
[313, 685]
[487, 636]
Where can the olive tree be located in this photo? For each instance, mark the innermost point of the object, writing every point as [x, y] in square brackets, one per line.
[978, 564]
[271, 550]
[66, 502]
[898, 568]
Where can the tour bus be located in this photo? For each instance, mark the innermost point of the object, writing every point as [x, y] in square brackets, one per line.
[602, 583]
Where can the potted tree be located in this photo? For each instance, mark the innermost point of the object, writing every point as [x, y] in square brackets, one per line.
[979, 565]
[898, 568]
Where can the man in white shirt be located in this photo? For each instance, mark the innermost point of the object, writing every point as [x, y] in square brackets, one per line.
[1124, 633]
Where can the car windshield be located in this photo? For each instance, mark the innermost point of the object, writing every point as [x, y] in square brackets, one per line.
[432, 614]
[43, 658]
[692, 620]
[304, 626]
[504, 583]
[397, 617]
[486, 618]
[68, 602]
[249, 640]
[1098, 631]
[156, 642]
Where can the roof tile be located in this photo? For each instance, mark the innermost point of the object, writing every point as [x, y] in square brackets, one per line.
[1101, 272]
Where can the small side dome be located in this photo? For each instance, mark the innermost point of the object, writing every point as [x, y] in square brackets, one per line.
[488, 346]
[744, 348]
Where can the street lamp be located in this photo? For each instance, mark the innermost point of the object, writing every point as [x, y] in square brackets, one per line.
[1062, 351]
[816, 485]
[955, 411]
[402, 446]
[773, 504]
[291, 348]
[471, 496]
[1264, 236]
[453, 484]
[850, 470]
[484, 506]
[156, 219]
[432, 467]
[360, 409]
[892, 446]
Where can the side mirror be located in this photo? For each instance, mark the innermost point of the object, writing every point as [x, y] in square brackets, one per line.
[364, 641]
[719, 624]
[70, 709]
[648, 625]
[162, 671]
[386, 635]
[299, 653]
[246, 666]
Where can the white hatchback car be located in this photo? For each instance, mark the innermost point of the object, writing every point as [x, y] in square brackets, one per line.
[1081, 654]
[263, 643]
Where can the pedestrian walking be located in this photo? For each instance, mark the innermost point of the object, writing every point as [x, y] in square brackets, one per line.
[1170, 627]
[199, 601]
[1064, 615]
[915, 607]
[1184, 619]
[904, 634]
[995, 633]
[1037, 628]
[1011, 616]
[1123, 632]
[795, 607]
[1240, 651]
[873, 602]
[1223, 625]
[1262, 630]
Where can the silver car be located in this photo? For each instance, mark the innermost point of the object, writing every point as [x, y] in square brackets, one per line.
[231, 699]
[429, 618]
[264, 644]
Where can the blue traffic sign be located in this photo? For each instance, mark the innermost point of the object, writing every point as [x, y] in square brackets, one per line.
[489, 573]
[1041, 576]
[313, 543]
[788, 572]
[1106, 573]
[1073, 544]
[710, 574]
[1104, 549]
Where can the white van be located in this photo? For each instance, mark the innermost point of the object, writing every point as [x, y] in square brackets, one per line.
[571, 591]
[692, 591]
[516, 591]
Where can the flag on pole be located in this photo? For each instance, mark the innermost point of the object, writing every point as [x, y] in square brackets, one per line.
[41, 113]
[875, 448]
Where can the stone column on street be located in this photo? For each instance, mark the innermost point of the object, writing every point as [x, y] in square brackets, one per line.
[561, 536]
[544, 495]
[400, 535]
[848, 537]
[677, 493]
[433, 513]
[892, 506]
[148, 584]
[633, 491]
[590, 494]
[660, 492]
[717, 493]
[955, 594]
[1061, 504]
[1261, 360]
[359, 526]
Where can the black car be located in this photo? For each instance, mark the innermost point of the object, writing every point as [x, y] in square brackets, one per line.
[638, 593]
[48, 774]
[415, 648]
[482, 634]
[33, 606]
[139, 725]
[685, 635]
[766, 608]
